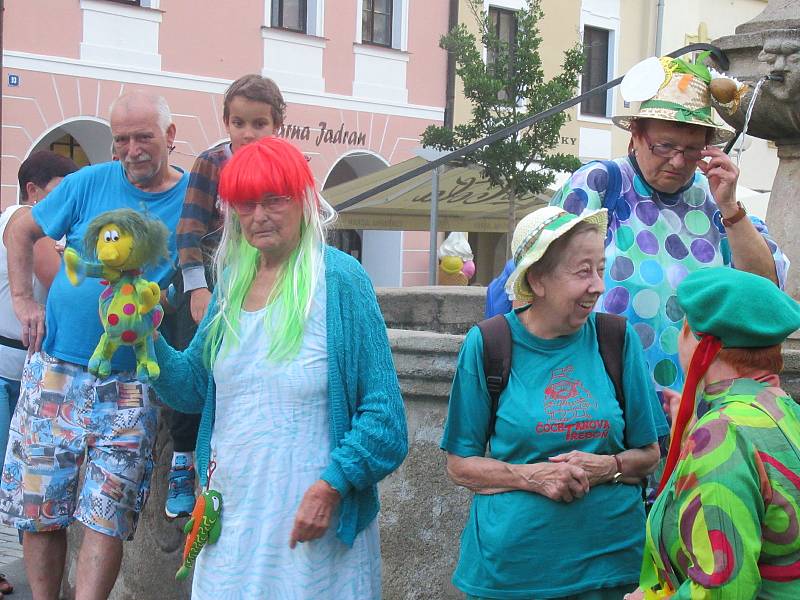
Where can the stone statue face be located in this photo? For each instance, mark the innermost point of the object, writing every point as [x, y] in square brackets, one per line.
[781, 53]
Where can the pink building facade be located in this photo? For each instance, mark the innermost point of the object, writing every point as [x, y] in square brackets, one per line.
[353, 107]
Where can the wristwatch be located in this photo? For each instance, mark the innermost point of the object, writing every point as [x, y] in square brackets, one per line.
[740, 214]
[618, 475]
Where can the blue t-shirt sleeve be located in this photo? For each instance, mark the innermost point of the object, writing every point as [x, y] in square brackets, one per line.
[644, 417]
[56, 212]
[469, 410]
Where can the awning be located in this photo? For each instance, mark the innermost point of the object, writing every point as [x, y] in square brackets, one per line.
[466, 201]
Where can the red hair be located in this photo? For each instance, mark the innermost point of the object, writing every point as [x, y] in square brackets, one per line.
[271, 166]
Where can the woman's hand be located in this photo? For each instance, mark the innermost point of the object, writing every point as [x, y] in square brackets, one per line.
[636, 594]
[314, 514]
[561, 482]
[599, 468]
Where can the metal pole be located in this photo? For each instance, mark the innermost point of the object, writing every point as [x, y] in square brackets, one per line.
[659, 26]
[433, 260]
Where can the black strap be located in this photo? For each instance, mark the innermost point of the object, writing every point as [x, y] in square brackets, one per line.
[12, 343]
[611, 343]
[496, 335]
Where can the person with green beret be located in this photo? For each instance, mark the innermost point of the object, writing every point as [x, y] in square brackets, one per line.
[726, 522]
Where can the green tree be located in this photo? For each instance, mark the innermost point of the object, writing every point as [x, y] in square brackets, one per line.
[507, 88]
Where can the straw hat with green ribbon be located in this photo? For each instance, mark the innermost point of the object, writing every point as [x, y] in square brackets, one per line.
[533, 236]
[682, 95]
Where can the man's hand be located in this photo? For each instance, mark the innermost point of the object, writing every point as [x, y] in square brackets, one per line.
[31, 316]
[561, 482]
[722, 176]
[599, 468]
[314, 514]
[198, 303]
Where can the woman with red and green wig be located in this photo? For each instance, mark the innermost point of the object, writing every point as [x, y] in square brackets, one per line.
[726, 523]
[301, 410]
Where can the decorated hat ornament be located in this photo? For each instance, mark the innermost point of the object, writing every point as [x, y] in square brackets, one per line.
[672, 89]
[727, 91]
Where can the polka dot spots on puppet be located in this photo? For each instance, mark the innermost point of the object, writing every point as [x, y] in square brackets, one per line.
[702, 250]
[158, 315]
[647, 212]
[616, 300]
[127, 289]
[107, 293]
[669, 340]
[624, 238]
[647, 334]
[597, 180]
[697, 222]
[113, 319]
[640, 187]
[622, 268]
[694, 196]
[672, 219]
[675, 247]
[129, 308]
[128, 336]
[673, 310]
[676, 274]
[651, 272]
[576, 201]
[665, 372]
[646, 304]
[647, 242]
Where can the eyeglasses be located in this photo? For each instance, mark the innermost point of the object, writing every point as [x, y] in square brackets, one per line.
[268, 204]
[670, 151]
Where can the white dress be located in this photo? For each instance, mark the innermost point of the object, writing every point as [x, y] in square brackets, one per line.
[270, 443]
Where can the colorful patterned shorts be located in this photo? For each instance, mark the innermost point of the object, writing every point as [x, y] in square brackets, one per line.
[65, 414]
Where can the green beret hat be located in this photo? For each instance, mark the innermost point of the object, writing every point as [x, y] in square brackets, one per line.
[741, 309]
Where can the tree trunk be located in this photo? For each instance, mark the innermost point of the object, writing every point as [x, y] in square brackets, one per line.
[512, 221]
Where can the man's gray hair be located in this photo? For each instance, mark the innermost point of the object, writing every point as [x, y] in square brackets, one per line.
[159, 103]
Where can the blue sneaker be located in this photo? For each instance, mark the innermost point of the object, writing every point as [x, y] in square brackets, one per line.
[180, 495]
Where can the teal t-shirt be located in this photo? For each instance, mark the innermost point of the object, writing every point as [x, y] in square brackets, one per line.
[559, 398]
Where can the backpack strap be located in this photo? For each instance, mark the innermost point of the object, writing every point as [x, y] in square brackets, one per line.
[496, 335]
[611, 343]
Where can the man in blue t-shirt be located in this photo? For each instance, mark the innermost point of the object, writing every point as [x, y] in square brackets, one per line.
[64, 411]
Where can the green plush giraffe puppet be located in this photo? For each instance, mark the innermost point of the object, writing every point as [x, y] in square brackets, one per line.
[119, 244]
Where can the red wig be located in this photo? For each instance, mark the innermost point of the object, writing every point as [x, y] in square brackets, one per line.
[270, 166]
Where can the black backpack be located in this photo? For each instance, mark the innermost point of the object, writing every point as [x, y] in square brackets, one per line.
[496, 335]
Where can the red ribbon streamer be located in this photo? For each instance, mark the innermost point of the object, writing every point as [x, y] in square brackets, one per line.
[703, 356]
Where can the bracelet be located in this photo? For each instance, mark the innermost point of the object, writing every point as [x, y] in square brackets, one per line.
[738, 216]
[618, 475]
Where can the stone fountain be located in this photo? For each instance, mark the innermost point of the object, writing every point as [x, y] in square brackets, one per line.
[769, 46]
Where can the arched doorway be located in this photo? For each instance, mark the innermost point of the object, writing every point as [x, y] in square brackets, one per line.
[87, 141]
[351, 166]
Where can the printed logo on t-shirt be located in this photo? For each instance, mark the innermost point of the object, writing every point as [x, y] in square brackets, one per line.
[568, 406]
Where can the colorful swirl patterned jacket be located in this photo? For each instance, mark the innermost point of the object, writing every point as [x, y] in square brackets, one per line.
[726, 525]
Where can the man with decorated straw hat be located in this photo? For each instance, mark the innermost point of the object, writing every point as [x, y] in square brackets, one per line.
[672, 206]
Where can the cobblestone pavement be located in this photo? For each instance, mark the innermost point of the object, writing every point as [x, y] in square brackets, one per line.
[10, 548]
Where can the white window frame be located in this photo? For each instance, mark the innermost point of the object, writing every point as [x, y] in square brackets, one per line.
[399, 24]
[603, 14]
[315, 17]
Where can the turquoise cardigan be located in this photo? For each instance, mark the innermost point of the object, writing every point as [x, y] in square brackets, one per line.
[367, 419]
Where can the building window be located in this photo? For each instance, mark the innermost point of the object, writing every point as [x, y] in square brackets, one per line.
[289, 14]
[595, 70]
[503, 25]
[376, 22]
[131, 2]
[68, 146]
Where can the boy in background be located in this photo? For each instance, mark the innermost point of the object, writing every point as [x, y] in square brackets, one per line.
[253, 108]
